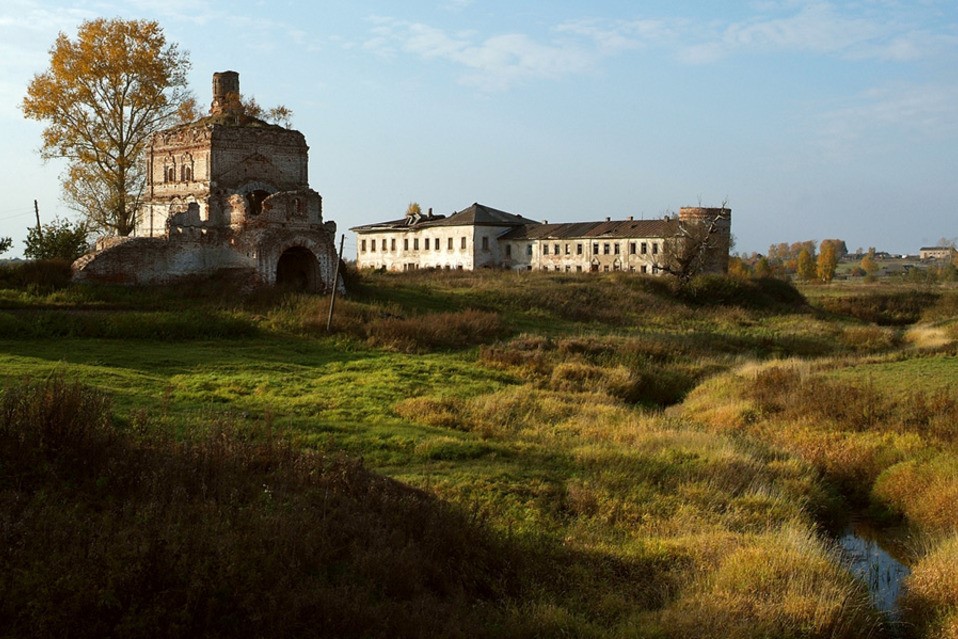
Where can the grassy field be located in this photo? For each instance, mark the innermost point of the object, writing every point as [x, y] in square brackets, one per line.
[473, 454]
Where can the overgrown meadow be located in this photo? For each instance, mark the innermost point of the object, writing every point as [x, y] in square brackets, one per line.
[474, 454]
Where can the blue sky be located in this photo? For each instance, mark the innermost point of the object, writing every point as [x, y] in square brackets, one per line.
[811, 119]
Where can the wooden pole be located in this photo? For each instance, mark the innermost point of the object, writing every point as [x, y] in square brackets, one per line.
[332, 299]
[36, 209]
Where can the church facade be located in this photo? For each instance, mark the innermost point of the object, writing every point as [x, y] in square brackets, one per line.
[227, 193]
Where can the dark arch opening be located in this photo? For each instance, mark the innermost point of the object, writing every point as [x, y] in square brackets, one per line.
[298, 270]
[255, 200]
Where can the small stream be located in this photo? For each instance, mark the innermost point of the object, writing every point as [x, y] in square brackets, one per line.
[879, 569]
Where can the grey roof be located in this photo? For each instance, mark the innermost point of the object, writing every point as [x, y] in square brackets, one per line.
[525, 229]
[481, 215]
[594, 230]
[475, 215]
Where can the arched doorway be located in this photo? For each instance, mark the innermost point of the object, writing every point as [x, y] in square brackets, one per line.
[298, 269]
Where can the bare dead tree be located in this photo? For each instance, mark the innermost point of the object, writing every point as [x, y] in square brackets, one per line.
[692, 249]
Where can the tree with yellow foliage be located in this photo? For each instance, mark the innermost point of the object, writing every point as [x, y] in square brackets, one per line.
[103, 96]
[806, 265]
[827, 261]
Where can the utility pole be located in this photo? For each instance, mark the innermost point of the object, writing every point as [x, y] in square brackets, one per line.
[36, 209]
[332, 299]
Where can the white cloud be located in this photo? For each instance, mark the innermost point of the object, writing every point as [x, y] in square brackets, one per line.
[921, 112]
[492, 64]
[822, 28]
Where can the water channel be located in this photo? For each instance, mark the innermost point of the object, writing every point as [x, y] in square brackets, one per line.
[873, 557]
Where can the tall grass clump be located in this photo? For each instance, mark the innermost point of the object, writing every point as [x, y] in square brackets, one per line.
[785, 583]
[931, 596]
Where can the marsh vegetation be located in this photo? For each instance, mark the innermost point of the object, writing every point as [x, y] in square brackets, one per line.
[475, 454]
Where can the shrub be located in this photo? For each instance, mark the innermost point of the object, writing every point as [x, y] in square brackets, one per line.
[884, 309]
[40, 276]
[435, 331]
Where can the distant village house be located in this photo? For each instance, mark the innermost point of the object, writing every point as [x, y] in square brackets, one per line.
[936, 252]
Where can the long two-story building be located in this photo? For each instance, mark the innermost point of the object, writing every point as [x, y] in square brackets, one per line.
[483, 237]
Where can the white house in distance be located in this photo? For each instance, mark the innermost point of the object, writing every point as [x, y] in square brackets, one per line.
[483, 237]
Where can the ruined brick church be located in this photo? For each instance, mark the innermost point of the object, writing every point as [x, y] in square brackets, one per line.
[227, 193]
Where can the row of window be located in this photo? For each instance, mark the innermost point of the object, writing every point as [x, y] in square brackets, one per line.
[608, 248]
[429, 244]
[186, 174]
[595, 267]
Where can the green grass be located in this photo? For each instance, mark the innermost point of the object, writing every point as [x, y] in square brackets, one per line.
[626, 451]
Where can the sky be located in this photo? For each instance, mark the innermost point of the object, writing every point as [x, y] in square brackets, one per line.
[810, 119]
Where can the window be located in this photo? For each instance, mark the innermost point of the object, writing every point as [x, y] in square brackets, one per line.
[578, 249]
[616, 248]
[405, 244]
[655, 248]
[449, 244]
[170, 174]
[631, 248]
[567, 268]
[567, 252]
[529, 250]
[485, 243]
[508, 250]
[392, 244]
[463, 244]
[645, 248]
[362, 246]
[578, 268]
[187, 173]
[545, 249]
[426, 243]
[606, 268]
[372, 246]
[556, 268]
[645, 269]
[415, 243]
[556, 247]
[595, 248]
[605, 250]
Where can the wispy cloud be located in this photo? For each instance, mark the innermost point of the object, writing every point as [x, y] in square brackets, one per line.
[491, 64]
[821, 28]
[872, 30]
[922, 112]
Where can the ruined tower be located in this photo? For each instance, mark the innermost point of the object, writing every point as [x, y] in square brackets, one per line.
[227, 192]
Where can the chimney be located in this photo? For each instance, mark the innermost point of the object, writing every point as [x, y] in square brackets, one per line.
[631, 218]
[608, 219]
[545, 221]
[225, 92]
[429, 215]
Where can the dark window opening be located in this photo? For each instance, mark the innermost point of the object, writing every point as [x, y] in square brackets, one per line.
[255, 201]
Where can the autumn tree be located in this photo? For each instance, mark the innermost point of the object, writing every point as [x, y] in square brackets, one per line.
[413, 209]
[104, 94]
[806, 265]
[827, 261]
[5, 244]
[869, 265]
